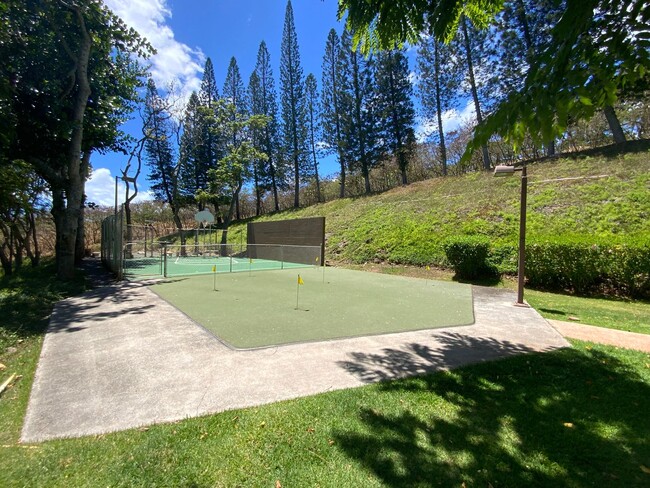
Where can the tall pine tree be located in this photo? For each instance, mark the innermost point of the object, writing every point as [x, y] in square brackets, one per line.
[269, 107]
[193, 171]
[360, 127]
[335, 103]
[313, 124]
[473, 42]
[395, 112]
[159, 153]
[292, 96]
[256, 107]
[208, 146]
[437, 88]
[234, 93]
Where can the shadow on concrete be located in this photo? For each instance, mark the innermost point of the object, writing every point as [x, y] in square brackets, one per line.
[565, 418]
[91, 306]
[455, 349]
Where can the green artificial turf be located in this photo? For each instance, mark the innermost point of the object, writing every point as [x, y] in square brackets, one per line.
[259, 309]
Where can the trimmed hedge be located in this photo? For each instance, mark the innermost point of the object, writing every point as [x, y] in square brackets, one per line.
[574, 264]
[468, 255]
[585, 266]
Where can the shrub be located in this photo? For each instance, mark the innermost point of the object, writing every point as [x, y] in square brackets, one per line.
[468, 256]
[587, 266]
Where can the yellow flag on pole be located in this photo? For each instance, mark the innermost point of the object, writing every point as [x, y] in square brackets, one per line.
[300, 282]
[214, 268]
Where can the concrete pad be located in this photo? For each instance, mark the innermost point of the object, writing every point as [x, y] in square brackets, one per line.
[121, 357]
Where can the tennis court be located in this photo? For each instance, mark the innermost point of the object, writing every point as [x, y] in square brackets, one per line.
[197, 259]
[254, 309]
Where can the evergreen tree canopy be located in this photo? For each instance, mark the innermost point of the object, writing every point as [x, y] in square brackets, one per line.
[395, 111]
[292, 96]
[336, 107]
[274, 173]
[360, 129]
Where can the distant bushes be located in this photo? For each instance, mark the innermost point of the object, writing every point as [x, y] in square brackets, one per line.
[565, 263]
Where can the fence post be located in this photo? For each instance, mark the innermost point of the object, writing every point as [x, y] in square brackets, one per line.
[164, 251]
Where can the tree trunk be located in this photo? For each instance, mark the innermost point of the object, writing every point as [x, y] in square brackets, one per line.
[237, 209]
[402, 169]
[129, 230]
[36, 259]
[274, 185]
[477, 106]
[366, 176]
[614, 124]
[69, 218]
[550, 148]
[258, 193]
[441, 132]
[228, 220]
[296, 176]
[5, 259]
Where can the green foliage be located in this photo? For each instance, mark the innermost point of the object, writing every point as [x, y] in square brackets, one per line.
[468, 255]
[587, 265]
[292, 102]
[382, 24]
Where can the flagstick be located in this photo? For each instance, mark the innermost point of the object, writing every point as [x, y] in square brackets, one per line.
[214, 279]
[297, 292]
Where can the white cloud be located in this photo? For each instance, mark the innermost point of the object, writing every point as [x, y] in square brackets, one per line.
[175, 63]
[451, 120]
[100, 189]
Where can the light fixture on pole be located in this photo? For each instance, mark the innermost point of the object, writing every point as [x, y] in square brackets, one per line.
[509, 170]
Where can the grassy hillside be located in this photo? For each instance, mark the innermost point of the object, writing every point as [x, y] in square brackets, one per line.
[597, 195]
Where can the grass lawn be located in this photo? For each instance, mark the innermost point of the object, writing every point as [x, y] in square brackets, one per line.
[628, 315]
[575, 417]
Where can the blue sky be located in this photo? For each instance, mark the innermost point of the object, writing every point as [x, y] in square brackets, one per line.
[186, 32]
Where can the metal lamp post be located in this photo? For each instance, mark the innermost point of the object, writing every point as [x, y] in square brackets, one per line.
[507, 170]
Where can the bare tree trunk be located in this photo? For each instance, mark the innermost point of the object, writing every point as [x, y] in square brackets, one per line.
[80, 245]
[69, 219]
[441, 132]
[36, 259]
[477, 106]
[614, 124]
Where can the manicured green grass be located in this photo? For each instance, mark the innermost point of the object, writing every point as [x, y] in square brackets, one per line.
[631, 316]
[575, 417]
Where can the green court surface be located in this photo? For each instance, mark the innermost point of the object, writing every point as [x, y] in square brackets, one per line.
[193, 265]
[258, 309]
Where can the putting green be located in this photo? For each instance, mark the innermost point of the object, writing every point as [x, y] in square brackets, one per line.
[258, 309]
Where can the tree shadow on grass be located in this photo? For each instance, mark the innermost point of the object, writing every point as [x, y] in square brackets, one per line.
[566, 418]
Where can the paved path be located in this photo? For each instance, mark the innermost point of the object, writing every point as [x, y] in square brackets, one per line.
[601, 335]
[120, 357]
